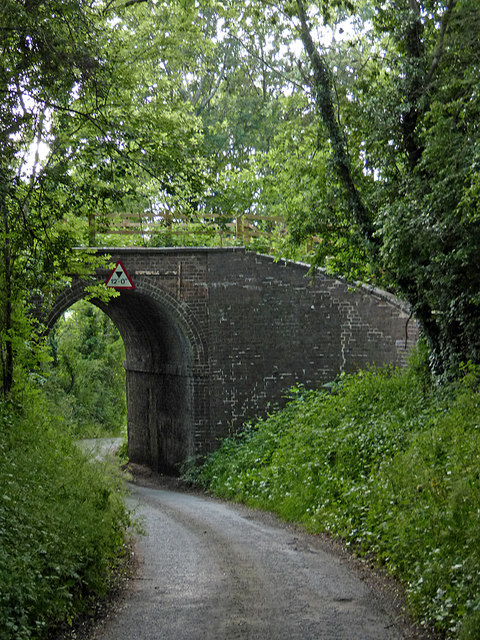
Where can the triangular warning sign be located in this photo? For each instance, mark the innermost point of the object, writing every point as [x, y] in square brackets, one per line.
[119, 278]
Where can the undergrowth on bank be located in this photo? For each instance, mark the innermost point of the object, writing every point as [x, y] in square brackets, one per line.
[62, 522]
[388, 463]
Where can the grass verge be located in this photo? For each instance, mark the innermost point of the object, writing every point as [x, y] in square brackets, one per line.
[62, 523]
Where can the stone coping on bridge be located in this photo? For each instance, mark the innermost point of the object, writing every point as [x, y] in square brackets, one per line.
[382, 294]
[379, 293]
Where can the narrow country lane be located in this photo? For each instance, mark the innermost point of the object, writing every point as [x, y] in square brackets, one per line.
[214, 571]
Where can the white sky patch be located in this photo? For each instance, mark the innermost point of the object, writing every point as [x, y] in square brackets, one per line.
[33, 159]
[340, 32]
[41, 148]
[114, 22]
[326, 36]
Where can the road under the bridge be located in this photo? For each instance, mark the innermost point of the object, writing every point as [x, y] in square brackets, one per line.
[213, 571]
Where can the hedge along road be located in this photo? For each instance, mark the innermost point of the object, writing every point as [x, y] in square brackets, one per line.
[209, 570]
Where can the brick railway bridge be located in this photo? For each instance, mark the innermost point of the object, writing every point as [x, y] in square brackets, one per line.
[215, 335]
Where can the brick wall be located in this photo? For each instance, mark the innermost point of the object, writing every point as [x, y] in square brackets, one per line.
[273, 326]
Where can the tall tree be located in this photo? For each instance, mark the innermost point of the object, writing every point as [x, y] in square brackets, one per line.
[40, 62]
[89, 126]
[398, 108]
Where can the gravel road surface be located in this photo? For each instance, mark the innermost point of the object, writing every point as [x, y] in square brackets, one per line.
[209, 570]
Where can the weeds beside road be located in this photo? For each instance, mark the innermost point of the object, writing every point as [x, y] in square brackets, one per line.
[385, 461]
[62, 522]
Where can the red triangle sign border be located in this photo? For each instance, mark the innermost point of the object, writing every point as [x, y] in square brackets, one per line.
[119, 278]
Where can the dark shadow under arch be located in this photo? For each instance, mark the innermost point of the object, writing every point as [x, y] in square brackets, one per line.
[163, 352]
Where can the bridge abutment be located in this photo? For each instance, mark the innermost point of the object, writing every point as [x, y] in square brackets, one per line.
[160, 420]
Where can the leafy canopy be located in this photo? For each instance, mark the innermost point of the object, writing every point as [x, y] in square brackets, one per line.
[355, 122]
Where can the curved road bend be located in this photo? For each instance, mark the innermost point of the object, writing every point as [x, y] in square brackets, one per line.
[211, 571]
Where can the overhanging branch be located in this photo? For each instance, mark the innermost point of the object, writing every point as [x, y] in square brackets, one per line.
[441, 39]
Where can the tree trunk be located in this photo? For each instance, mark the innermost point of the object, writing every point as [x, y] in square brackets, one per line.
[322, 87]
[6, 346]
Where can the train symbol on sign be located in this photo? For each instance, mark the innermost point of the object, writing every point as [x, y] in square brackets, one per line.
[119, 278]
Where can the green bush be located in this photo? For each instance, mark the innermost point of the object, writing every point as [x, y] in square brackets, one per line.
[85, 380]
[388, 463]
[62, 523]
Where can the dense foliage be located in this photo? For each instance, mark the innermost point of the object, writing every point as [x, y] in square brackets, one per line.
[387, 463]
[62, 522]
[356, 122]
[404, 146]
[374, 156]
[86, 377]
[87, 129]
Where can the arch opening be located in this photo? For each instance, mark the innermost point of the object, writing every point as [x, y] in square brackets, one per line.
[86, 375]
[159, 368]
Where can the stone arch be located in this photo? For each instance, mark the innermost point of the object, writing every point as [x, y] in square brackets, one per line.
[165, 355]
